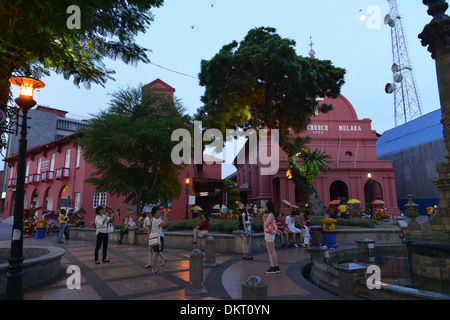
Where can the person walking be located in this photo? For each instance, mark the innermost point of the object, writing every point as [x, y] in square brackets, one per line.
[270, 231]
[62, 225]
[101, 225]
[157, 223]
[147, 228]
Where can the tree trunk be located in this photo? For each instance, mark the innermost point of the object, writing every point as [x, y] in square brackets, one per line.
[314, 202]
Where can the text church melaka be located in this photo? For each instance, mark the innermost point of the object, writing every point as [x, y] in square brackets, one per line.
[350, 142]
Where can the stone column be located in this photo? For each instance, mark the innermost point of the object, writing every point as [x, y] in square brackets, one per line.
[436, 35]
[132, 235]
[368, 246]
[429, 244]
[254, 289]
[210, 252]
[348, 276]
[317, 255]
[196, 285]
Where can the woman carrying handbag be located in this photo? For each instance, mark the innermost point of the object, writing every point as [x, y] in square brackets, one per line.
[155, 241]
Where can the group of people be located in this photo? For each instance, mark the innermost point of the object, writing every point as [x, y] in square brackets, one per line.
[274, 228]
[271, 229]
[154, 226]
[300, 235]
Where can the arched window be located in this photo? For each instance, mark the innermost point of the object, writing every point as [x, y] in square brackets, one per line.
[339, 191]
[377, 192]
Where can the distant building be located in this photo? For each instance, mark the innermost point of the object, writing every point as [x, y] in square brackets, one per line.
[45, 125]
[415, 148]
[56, 172]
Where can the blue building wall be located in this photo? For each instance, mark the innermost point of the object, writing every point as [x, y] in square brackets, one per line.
[415, 149]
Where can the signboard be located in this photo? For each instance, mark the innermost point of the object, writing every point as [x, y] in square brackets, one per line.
[64, 202]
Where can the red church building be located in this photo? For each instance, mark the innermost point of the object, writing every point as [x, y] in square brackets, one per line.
[350, 142]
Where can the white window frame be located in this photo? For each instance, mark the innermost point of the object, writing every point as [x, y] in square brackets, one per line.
[39, 164]
[78, 157]
[77, 201]
[67, 160]
[52, 162]
[99, 199]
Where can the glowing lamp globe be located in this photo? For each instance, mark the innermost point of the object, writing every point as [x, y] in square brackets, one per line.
[27, 86]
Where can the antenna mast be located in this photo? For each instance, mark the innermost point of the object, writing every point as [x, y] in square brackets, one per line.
[407, 104]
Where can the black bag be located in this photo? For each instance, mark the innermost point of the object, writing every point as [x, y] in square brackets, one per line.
[241, 222]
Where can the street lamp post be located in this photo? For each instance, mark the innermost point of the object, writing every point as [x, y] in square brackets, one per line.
[14, 275]
[370, 185]
[186, 182]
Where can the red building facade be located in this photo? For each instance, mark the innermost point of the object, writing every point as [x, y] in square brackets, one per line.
[56, 173]
[350, 142]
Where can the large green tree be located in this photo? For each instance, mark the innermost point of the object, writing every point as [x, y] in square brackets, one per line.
[262, 83]
[36, 37]
[130, 146]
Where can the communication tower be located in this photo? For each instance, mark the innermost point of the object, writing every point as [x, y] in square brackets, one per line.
[407, 104]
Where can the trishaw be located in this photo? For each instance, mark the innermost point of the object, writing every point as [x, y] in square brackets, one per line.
[77, 219]
[52, 217]
[379, 212]
[29, 221]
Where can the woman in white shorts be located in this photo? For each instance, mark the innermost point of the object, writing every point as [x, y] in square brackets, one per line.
[270, 231]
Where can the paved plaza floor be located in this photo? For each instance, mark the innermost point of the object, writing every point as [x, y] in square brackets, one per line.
[125, 278]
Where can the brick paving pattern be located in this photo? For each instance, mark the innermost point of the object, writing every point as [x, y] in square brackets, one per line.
[124, 278]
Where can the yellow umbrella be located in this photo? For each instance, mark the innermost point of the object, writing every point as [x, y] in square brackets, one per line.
[342, 208]
[196, 208]
[351, 201]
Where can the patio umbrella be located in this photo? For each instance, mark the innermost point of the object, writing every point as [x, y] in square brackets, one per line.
[240, 204]
[289, 204]
[352, 201]
[32, 209]
[196, 208]
[335, 202]
[378, 202]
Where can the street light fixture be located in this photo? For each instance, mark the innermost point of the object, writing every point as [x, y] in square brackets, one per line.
[27, 86]
[14, 287]
[186, 182]
[370, 182]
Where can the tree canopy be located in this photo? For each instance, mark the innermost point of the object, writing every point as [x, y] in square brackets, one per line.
[35, 38]
[129, 146]
[261, 82]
